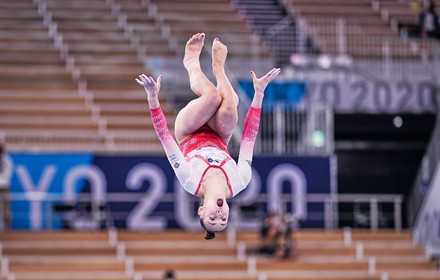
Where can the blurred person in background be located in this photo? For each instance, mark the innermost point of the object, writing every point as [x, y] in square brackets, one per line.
[5, 179]
[203, 129]
[272, 229]
[429, 21]
[276, 236]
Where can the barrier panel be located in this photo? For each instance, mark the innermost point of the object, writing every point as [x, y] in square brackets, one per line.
[141, 192]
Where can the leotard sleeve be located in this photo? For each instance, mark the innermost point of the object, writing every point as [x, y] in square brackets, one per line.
[178, 162]
[250, 131]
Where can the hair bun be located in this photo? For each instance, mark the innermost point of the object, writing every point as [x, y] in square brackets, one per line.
[209, 235]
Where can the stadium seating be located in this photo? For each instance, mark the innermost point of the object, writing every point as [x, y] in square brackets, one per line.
[67, 73]
[89, 52]
[61, 256]
[146, 255]
[367, 29]
[39, 99]
[145, 31]
[406, 12]
[108, 64]
[83, 56]
[355, 12]
[212, 16]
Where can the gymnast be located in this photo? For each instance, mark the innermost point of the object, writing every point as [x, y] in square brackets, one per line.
[203, 129]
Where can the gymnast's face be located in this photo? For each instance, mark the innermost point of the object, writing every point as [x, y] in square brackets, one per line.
[214, 214]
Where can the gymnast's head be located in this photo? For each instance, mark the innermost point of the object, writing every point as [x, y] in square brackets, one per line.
[214, 215]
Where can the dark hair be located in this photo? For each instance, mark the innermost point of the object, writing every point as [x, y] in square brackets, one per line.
[169, 275]
[209, 233]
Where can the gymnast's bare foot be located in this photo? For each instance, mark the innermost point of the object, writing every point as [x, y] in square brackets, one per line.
[219, 53]
[193, 49]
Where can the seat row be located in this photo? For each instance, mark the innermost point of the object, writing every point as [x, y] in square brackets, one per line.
[146, 255]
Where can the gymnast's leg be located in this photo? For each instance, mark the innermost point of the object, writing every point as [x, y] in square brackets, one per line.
[197, 112]
[226, 117]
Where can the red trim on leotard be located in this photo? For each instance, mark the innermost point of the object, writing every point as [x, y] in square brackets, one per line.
[214, 166]
[203, 137]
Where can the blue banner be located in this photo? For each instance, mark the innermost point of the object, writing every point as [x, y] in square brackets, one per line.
[289, 93]
[142, 193]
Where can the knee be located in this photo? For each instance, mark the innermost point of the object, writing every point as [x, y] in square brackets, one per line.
[213, 97]
[229, 106]
[227, 113]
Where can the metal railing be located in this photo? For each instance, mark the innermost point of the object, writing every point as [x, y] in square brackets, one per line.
[340, 46]
[297, 130]
[89, 212]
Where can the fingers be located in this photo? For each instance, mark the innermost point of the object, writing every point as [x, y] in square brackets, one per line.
[272, 73]
[145, 80]
[139, 81]
[269, 75]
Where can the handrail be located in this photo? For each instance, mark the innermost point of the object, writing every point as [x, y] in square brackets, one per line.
[329, 214]
[375, 56]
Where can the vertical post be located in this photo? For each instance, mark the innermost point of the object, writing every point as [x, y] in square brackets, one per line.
[231, 235]
[341, 36]
[397, 214]
[5, 266]
[112, 237]
[241, 251]
[298, 128]
[347, 237]
[280, 126]
[252, 266]
[386, 51]
[301, 35]
[313, 125]
[372, 266]
[359, 251]
[49, 215]
[120, 251]
[129, 266]
[329, 141]
[374, 216]
[328, 213]
[96, 211]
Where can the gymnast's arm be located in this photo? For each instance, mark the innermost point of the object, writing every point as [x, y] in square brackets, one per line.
[251, 125]
[175, 156]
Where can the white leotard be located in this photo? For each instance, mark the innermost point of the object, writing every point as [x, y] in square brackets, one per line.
[191, 169]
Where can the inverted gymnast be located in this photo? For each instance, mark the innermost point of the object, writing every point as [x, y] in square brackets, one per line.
[203, 128]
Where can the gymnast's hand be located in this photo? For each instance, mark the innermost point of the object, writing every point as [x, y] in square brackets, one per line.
[260, 84]
[151, 87]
